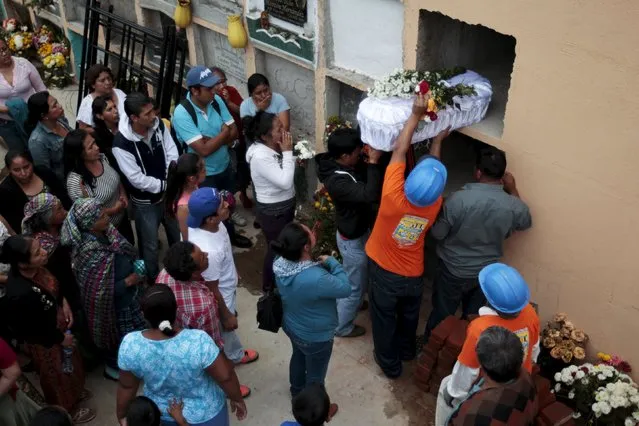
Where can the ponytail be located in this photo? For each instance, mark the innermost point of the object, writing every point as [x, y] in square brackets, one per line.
[160, 308]
[186, 166]
[258, 126]
[291, 241]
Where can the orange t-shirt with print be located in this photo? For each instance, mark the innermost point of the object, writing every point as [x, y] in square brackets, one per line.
[525, 326]
[397, 241]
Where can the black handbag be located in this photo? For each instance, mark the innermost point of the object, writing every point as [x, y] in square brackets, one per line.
[269, 312]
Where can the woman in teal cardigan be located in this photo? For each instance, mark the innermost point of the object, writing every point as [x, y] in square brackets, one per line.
[309, 291]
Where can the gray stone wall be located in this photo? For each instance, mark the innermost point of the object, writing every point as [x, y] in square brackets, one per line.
[213, 49]
[296, 84]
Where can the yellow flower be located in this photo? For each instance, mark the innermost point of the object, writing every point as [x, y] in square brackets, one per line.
[432, 105]
[324, 209]
[556, 352]
[579, 353]
[328, 197]
[45, 50]
[607, 357]
[566, 356]
[317, 204]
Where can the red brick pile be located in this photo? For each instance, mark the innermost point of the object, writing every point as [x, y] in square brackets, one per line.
[440, 354]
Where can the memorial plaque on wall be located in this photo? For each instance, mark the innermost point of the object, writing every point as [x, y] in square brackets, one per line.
[293, 11]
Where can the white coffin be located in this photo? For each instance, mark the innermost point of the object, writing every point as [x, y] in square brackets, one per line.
[381, 120]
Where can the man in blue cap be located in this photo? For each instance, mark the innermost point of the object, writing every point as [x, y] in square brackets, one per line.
[204, 124]
[207, 210]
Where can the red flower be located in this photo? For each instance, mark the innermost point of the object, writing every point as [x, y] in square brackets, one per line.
[624, 367]
[423, 87]
[432, 115]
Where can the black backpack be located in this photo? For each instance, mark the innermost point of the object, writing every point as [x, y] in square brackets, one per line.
[270, 312]
[188, 106]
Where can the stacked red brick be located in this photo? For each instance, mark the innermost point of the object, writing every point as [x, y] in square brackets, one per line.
[440, 354]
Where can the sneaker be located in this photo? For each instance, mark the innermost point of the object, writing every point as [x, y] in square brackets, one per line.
[238, 219]
[82, 415]
[241, 242]
[357, 331]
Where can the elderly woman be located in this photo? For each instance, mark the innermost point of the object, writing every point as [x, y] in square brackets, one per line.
[24, 182]
[50, 126]
[43, 218]
[100, 82]
[40, 316]
[18, 79]
[309, 291]
[103, 262]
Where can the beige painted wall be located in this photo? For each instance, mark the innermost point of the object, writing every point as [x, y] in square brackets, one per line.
[571, 128]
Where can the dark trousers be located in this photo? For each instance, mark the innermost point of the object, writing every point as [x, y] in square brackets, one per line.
[223, 181]
[394, 309]
[242, 170]
[272, 225]
[126, 229]
[148, 218]
[448, 292]
[309, 362]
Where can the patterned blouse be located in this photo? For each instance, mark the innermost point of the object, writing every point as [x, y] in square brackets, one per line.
[26, 82]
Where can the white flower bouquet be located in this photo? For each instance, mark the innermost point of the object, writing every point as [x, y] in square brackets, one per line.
[304, 150]
[599, 394]
[459, 98]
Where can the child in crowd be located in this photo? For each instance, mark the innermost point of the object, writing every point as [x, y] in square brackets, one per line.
[184, 177]
[144, 412]
[311, 407]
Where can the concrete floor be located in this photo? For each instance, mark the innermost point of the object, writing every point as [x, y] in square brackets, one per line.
[364, 394]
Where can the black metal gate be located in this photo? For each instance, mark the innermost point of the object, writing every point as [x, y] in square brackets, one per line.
[142, 60]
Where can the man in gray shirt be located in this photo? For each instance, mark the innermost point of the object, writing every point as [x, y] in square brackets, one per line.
[471, 230]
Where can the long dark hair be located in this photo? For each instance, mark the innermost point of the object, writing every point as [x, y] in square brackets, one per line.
[291, 241]
[15, 250]
[73, 156]
[98, 107]
[38, 105]
[159, 305]
[255, 81]
[258, 126]
[187, 165]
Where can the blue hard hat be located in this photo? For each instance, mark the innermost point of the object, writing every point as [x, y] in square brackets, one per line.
[504, 287]
[425, 184]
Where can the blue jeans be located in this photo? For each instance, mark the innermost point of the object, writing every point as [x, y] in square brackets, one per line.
[221, 419]
[355, 264]
[394, 307]
[148, 218]
[449, 292]
[309, 362]
[233, 348]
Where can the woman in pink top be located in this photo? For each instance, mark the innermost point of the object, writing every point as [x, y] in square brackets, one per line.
[184, 177]
[18, 79]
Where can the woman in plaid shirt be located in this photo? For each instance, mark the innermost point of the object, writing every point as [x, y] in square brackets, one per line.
[197, 305]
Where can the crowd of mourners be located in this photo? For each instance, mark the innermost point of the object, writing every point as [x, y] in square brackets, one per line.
[80, 287]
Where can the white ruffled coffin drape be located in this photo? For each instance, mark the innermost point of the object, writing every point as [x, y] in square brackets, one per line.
[381, 120]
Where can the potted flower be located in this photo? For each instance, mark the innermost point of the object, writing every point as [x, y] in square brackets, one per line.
[562, 344]
[304, 152]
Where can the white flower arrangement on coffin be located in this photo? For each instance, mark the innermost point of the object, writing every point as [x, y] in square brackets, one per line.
[459, 98]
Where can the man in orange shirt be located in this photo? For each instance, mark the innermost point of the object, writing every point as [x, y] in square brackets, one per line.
[508, 306]
[395, 249]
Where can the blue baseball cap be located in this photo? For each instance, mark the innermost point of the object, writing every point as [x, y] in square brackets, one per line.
[201, 76]
[203, 203]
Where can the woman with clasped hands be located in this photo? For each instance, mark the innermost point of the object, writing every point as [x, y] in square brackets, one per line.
[176, 364]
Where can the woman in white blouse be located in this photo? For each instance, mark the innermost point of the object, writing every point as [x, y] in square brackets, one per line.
[272, 165]
[89, 175]
[18, 79]
[100, 82]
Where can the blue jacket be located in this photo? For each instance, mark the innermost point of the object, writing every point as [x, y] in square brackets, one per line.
[309, 294]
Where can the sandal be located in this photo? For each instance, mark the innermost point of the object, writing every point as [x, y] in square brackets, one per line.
[249, 356]
[332, 410]
[245, 390]
[83, 415]
[85, 395]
